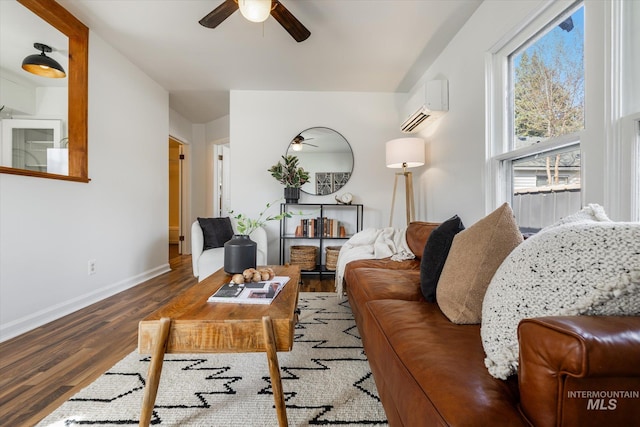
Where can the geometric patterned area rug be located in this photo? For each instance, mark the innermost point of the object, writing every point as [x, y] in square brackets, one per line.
[326, 381]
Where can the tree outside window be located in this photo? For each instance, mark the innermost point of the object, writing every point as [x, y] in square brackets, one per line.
[547, 104]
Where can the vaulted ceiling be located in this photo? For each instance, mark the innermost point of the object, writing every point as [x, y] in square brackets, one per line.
[355, 45]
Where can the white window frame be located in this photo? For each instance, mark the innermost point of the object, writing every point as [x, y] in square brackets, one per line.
[630, 169]
[635, 166]
[499, 108]
[626, 89]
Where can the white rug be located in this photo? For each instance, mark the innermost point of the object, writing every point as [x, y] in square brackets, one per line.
[326, 381]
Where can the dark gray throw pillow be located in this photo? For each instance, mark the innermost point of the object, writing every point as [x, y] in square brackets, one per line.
[216, 231]
[435, 254]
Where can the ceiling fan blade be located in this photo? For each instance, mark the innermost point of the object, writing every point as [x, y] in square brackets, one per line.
[311, 145]
[219, 14]
[289, 22]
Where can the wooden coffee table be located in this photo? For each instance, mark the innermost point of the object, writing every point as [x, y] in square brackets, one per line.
[190, 324]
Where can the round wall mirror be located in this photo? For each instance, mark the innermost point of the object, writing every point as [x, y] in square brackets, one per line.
[326, 155]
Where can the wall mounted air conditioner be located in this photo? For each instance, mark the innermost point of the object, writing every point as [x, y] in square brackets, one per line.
[426, 105]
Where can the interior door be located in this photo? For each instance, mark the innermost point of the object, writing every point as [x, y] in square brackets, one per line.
[175, 198]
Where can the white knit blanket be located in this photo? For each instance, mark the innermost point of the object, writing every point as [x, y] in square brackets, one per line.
[585, 264]
[372, 243]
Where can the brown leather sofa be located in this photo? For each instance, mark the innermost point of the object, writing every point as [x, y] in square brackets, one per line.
[573, 371]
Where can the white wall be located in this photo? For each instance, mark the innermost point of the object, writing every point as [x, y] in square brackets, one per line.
[179, 127]
[201, 158]
[217, 143]
[217, 130]
[49, 229]
[455, 181]
[263, 123]
[200, 166]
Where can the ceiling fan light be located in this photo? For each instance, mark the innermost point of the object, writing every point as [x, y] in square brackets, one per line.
[42, 65]
[296, 146]
[255, 10]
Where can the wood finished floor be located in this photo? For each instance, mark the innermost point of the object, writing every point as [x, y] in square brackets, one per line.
[41, 369]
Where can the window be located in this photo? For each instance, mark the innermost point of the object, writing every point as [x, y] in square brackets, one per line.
[539, 156]
[545, 187]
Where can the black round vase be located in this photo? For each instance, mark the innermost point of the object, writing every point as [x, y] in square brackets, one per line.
[239, 254]
[291, 194]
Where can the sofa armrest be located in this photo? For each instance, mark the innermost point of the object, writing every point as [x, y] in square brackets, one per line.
[580, 370]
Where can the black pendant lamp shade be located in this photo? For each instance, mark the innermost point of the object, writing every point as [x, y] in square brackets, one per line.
[42, 65]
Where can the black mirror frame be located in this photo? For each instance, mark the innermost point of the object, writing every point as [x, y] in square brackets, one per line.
[289, 151]
[78, 34]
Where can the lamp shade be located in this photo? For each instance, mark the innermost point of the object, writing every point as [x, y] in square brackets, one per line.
[405, 152]
[42, 65]
[255, 10]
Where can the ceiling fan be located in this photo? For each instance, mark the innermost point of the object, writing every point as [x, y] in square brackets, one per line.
[296, 144]
[280, 13]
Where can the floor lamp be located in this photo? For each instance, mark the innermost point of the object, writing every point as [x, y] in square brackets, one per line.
[404, 153]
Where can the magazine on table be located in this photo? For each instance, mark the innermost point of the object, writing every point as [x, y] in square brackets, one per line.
[250, 293]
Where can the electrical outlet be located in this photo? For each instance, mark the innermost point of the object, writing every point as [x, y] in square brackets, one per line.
[91, 267]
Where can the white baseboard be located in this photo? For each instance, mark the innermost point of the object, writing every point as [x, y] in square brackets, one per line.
[34, 320]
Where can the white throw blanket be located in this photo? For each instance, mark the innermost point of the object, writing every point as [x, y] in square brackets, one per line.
[372, 243]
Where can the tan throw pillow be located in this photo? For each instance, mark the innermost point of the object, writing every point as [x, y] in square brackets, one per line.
[475, 255]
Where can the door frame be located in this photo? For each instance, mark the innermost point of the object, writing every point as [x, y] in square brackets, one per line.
[218, 178]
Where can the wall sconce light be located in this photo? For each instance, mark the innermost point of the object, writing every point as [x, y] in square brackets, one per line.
[42, 65]
[255, 10]
[405, 153]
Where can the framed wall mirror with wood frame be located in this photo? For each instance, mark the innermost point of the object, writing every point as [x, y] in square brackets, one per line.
[65, 136]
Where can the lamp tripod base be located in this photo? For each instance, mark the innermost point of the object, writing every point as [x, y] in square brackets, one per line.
[409, 202]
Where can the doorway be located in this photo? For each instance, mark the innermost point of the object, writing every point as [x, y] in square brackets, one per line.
[220, 168]
[176, 238]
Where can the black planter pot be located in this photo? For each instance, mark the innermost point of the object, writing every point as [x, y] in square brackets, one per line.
[291, 194]
[239, 254]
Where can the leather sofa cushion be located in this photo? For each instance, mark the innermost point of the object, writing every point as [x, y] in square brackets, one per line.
[417, 234]
[437, 368]
[382, 263]
[366, 284]
[375, 283]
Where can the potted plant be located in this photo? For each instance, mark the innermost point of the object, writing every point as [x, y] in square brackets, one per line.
[291, 176]
[246, 225]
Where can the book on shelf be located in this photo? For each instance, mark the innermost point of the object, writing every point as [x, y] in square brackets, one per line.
[250, 293]
[319, 227]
